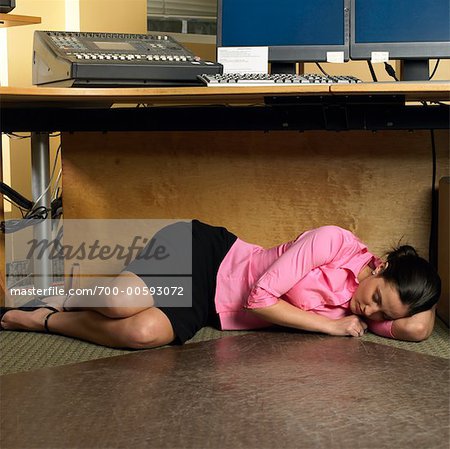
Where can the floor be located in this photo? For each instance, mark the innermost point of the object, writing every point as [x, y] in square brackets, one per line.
[280, 390]
[29, 351]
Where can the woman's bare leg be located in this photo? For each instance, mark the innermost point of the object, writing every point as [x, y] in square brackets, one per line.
[119, 321]
[146, 329]
[129, 301]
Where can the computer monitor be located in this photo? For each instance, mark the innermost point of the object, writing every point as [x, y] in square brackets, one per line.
[293, 30]
[414, 31]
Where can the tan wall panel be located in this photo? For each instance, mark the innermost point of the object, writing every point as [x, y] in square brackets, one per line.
[205, 51]
[266, 187]
[20, 39]
[116, 16]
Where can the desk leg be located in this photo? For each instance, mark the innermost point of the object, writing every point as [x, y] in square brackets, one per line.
[40, 178]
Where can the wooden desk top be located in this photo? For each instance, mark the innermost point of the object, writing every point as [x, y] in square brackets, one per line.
[11, 20]
[192, 96]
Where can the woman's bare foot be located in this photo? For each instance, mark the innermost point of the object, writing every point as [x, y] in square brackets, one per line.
[20, 320]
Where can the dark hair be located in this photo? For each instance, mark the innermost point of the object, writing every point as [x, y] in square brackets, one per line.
[417, 282]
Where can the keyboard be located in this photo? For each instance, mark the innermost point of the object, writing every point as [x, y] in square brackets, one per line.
[249, 79]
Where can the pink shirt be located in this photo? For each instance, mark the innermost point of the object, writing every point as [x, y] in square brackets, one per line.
[318, 272]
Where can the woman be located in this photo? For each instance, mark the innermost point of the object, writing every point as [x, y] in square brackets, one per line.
[324, 281]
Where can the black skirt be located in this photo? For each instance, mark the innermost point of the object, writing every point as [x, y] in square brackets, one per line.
[210, 244]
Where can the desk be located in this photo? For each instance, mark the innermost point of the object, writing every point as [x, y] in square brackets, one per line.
[244, 113]
[332, 107]
[12, 20]
[71, 97]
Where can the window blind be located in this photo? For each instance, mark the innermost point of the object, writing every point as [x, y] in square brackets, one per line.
[182, 8]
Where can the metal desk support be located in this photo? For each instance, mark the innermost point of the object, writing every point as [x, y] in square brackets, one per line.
[40, 178]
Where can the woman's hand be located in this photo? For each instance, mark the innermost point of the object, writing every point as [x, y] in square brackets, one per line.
[350, 325]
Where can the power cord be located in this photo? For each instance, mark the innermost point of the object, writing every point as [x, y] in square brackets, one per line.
[432, 249]
[321, 69]
[15, 136]
[435, 68]
[390, 71]
[372, 71]
[51, 176]
[15, 197]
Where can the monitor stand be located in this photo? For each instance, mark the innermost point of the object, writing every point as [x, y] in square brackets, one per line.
[288, 68]
[415, 70]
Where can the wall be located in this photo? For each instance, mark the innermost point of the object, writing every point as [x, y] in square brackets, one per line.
[266, 187]
[119, 16]
[74, 15]
[93, 15]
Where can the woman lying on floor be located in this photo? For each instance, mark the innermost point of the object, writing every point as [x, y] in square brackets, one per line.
[324, 281]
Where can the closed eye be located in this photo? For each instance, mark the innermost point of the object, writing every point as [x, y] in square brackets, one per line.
[377, 298]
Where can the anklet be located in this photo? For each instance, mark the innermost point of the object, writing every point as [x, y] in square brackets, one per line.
[46, 320]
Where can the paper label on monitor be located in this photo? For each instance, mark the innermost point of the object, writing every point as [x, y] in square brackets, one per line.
[335, 56]
[379, 56]
[244, 59]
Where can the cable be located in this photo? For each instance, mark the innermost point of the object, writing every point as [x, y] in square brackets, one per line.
[372, 71]
[10, 226]
[55, 185]
[435, 68]
[22, 211]
[15, 196]
[51, 177]
[15, 136]
[432, 249]
[321, 69]
[390, 71]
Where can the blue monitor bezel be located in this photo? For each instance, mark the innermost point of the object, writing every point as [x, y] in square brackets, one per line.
[299, 53]
[397, 50]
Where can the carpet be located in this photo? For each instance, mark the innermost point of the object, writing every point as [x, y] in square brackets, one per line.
[27, 351]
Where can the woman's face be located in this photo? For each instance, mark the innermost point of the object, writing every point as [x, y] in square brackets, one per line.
[377, 300]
